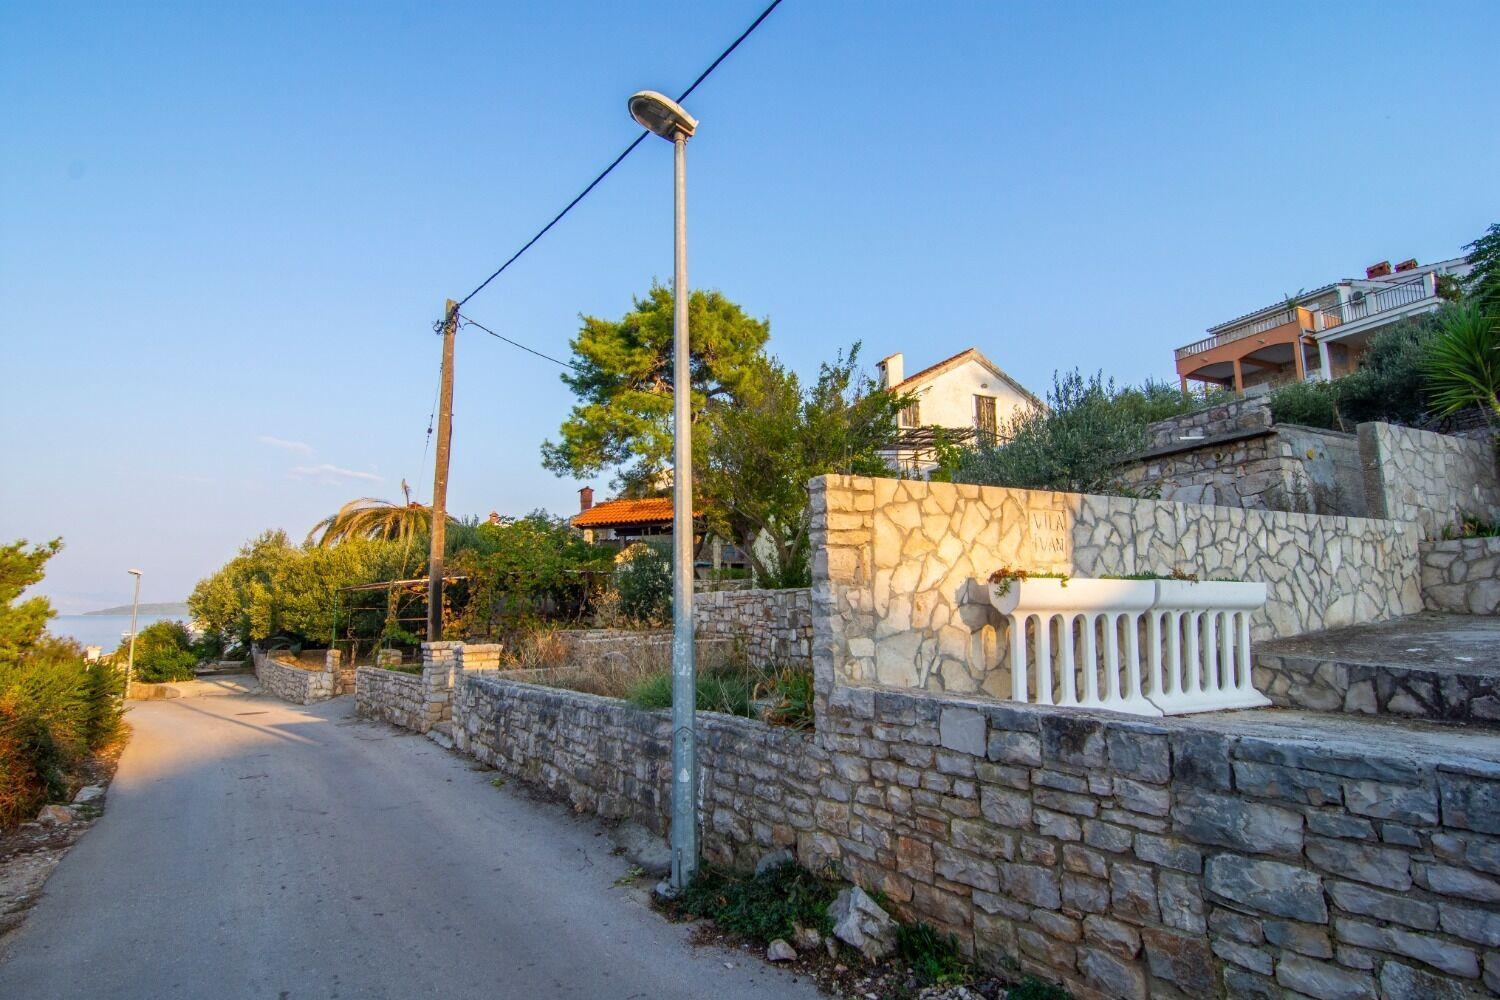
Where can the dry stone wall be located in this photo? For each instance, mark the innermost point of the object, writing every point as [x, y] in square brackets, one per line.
[1462, 576]
[391, 696]
[1194, 857]
[1413, 475]
[772, 626]
[1186, 858]
[295, 682]
[758, 784]
[895, 561]
[1280, 467]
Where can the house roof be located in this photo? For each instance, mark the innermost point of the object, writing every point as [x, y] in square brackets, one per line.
[1299, 299]
[610, 513]
[1394, 278]
[947, 364]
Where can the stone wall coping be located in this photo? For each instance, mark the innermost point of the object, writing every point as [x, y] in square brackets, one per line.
[1194, 444]
[1341, 523]
[1466, 750]
[1467, 546]
[1325, 431]
[405, 676]
[706, 720]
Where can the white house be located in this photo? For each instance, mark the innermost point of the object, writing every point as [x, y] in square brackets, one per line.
[968, 397]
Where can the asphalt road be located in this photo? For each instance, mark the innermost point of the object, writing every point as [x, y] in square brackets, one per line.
[256, 849]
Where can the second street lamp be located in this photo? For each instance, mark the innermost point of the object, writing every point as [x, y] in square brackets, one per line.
[135, 607]
[664, 117]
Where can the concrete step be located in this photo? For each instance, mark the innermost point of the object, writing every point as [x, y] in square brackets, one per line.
[1429, 666]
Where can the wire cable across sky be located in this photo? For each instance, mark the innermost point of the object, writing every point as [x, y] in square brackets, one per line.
[614, 163]
[466, 321]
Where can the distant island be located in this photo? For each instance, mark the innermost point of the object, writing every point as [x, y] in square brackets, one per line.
[171, 609]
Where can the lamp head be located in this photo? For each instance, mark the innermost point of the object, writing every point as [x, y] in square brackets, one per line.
[133, 572]
[659, 114]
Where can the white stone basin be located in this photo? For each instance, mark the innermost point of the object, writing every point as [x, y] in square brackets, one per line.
[1221, 594]
[1076, 595]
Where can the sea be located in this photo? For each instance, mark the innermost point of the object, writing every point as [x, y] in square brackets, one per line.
[105, 631]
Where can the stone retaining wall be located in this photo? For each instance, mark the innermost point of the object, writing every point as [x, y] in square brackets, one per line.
[773, 626]
[1413, 475]
[1462, 576]
[299, 683]
[391, 696]
[1184, 857]
[895, 560]
[1280, 467]
[1233, 416]
[758, 784]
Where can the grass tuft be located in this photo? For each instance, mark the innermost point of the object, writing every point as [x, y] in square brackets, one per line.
[934, 957]
[762, 906]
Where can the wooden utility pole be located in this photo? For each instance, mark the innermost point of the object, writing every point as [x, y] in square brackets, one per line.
[440, 479]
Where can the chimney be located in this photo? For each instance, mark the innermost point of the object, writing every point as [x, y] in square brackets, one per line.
[1409, 264]
[892, 370]
[585, 499]
[1378, 270]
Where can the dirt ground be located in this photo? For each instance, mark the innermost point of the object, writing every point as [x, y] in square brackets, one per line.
[30, 852]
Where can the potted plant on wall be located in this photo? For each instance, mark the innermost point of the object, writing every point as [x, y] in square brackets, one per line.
[1012, 588]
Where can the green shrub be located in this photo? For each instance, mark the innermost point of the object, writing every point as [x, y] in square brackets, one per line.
[643, 579]
[1074, 444]
[164, 651]
[54, 709]
[1311, 404]
[1389, 385]
[765, 906]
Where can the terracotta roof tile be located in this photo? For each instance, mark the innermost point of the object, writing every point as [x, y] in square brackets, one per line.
[613, 512]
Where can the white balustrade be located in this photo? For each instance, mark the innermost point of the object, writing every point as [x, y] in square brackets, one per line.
[1196, 638]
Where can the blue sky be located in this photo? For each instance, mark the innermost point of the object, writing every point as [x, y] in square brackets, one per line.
[226, 229]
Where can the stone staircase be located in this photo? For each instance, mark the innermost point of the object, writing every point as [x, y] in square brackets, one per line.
[1433, 667]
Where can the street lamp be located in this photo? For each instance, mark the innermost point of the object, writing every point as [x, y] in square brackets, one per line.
[135, 607]
[664, 117]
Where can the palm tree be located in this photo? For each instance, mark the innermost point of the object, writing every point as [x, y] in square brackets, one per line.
[1463, 364]
[379, 520]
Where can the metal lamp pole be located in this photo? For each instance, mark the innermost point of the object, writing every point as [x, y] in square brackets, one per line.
[665, 118]
[135, 607]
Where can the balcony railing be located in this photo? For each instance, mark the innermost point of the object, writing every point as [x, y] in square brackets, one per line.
[1261, 325]
[1374, 303]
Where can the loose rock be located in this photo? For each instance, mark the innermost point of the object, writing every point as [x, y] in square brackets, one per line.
[780, 951]
[806, 938]
[56, 816]
[88, 793]
[859, 921]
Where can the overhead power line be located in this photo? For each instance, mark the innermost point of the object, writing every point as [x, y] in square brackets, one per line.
[466, 321]
[614, 163]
